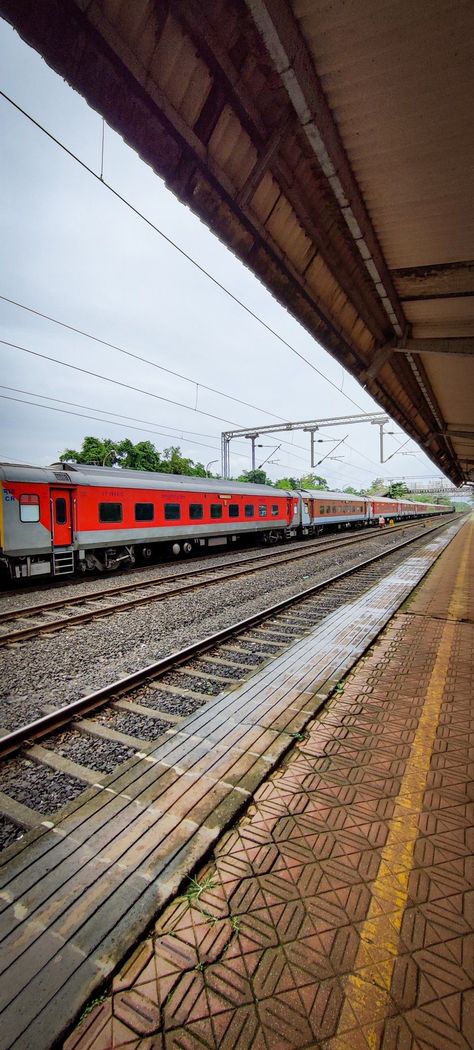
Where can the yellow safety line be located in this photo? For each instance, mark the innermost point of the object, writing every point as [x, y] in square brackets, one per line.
[367, 990]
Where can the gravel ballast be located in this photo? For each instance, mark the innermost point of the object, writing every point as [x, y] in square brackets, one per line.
[102, 755]
[133, 724]
[39, 787]
[9, 832]
[54, 670]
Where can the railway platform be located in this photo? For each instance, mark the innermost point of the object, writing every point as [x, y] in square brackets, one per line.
[287, 937]
[339, 911]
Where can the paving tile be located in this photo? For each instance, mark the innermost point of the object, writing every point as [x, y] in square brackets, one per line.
[339, 911]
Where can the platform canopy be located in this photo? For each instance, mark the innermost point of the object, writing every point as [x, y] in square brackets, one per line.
[330, 145]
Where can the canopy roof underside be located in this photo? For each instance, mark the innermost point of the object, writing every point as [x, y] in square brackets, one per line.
[329, 144]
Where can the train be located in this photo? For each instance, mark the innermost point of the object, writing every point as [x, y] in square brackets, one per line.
[73, 518]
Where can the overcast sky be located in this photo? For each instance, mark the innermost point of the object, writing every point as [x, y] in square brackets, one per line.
[70, 250]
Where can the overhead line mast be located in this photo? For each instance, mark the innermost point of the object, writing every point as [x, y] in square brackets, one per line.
[308, 425]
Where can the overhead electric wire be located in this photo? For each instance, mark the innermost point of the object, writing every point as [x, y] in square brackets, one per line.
[194, 262]
[182, 433]
[199, 267]
[174, 245]
[116, 382]
[112, 346]
[137, 357]
[110, 422]
[99, 419]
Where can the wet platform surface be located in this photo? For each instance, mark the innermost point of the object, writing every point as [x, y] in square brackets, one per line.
[338, 913]
[78, 892]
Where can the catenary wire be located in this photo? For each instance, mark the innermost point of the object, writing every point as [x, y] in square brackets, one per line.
[121, 383]
[176, 246]
[188, 435]
[116, 382]
[190, 259]
[110, 422]
[137, 357]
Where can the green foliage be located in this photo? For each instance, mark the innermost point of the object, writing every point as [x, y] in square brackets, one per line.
[313, 481]
[142, 456]
[102, 452]
[255, 477]
[397, 490]
[287, 483]
[98, 452]
[309, 481]
[377, 488]
[351, 491]
[429, 497]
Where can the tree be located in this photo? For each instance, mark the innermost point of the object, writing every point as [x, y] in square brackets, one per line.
[377, 488]
[397, 490]
[255, 477]
[287, 483]
[313, 481]
[351, 491]
[103, 452]
[98, 452]
[142, 456]
[461, 505]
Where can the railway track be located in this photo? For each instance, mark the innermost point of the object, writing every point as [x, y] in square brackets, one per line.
[155, 699]
[123, 597]
[45, 585]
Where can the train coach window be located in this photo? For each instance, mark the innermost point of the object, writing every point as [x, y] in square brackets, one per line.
[29, 507]
[172, 511]
[144, 512]
[61, 511]
[321, 509]
[262, 510]
[233, 510]
[216, 510]
[249, 510]
[274, 510]
[110, 512]
[196, 511]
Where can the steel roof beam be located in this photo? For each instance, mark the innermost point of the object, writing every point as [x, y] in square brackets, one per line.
[463, 346]
[463, 435]
[293, 62]
[192, 18]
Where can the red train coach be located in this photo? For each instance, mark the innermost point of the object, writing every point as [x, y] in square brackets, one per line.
[60, 518]
[66, 518]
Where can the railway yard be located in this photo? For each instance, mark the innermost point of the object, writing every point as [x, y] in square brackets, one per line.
[65, 648]
[236, 626]
[146, 703]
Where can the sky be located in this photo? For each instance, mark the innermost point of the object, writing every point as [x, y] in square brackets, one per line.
[70, 249]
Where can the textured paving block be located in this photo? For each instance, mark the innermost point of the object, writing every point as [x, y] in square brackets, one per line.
[338, 913]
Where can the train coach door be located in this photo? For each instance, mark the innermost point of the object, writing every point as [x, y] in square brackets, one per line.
[61, 517]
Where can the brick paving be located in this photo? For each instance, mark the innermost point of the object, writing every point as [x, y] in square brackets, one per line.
[338, 913]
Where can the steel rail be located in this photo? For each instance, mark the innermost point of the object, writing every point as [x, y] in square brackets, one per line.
[55, 720]
[315, 545]
[247, 568]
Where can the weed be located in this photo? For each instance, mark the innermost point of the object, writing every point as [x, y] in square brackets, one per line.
[196, 889]
[235, 925]
[91, 1006]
